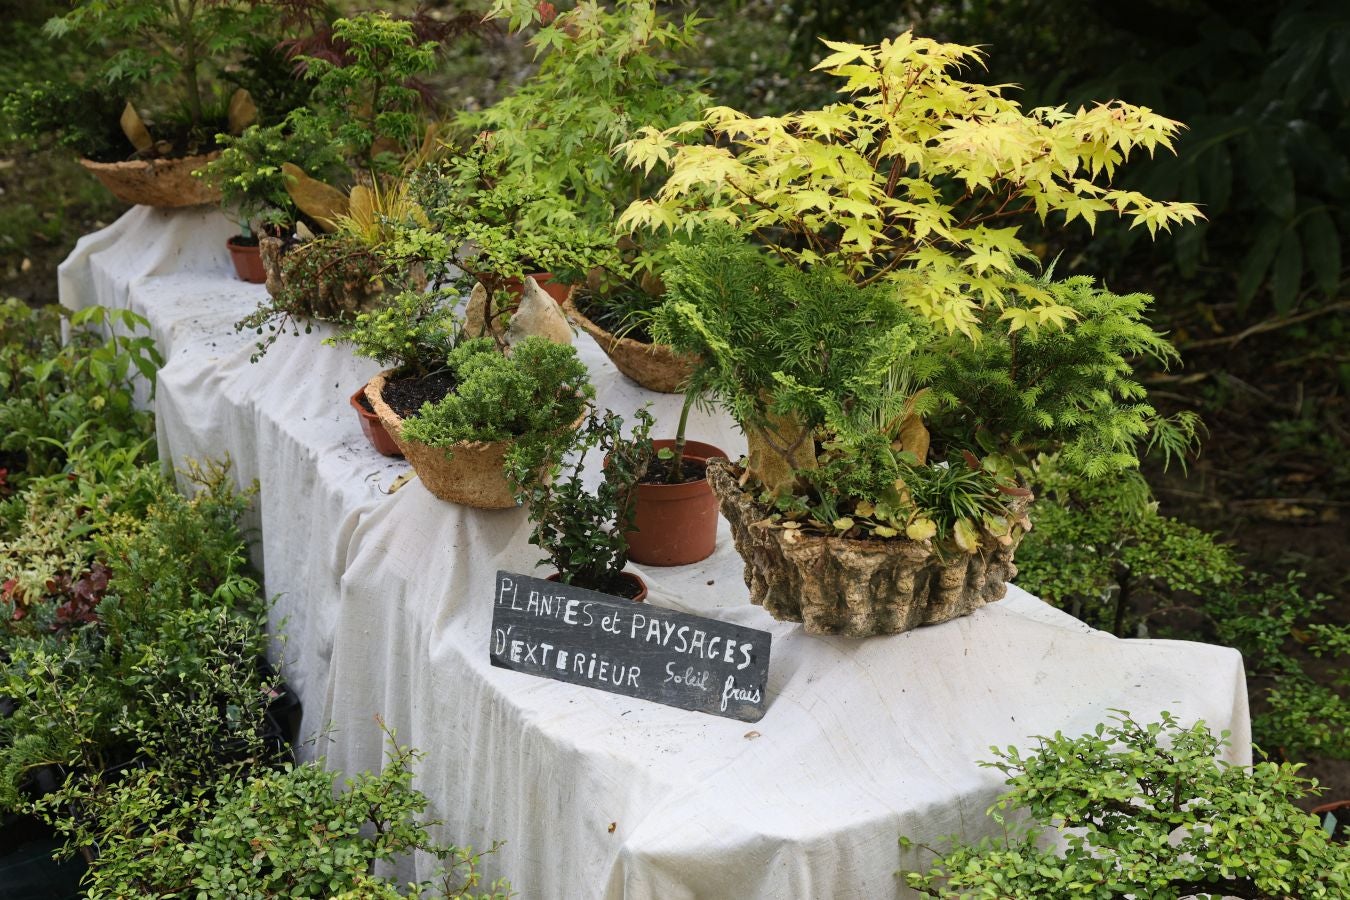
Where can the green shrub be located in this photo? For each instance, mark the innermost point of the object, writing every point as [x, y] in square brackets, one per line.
[291, 832]
[583, 532]
[1143, 811]
[1101, 551]
[530, 398]
[60, 400]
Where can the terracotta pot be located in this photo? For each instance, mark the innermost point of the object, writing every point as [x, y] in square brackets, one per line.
[165, 183]
[630, 577]
[373, 428]
[654, 366]
[247, 261]
[676, 524]
[858, 588]
[555, 289]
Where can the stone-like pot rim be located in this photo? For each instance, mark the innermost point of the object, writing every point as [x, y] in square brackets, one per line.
[199, 193]
[656, 367]
[606, 338]
[375, 394]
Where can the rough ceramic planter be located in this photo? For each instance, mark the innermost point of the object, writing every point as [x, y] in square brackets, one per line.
[373, 428]
[857, 588]
[166, 183]
[630, 577]
[471, 473]
[247, 261]
[654, 366]
[676, 524]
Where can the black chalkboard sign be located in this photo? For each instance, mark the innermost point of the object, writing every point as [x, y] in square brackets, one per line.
[583, 637]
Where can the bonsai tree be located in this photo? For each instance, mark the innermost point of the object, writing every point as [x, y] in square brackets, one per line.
[894, 323]
[603, 71]
[1143, 810]
[337, 276]
[249, 174]
[494, 227]
[178, 51]
[915, 182]
[366, 96]
[413, 334]
[583, 532]
[531, 398]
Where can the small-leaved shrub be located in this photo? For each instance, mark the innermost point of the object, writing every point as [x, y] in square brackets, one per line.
[1143, 811]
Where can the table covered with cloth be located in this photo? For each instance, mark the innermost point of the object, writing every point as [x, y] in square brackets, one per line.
[384, 607]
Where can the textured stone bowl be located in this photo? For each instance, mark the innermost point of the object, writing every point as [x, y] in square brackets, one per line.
[857, 588]
[165, 183]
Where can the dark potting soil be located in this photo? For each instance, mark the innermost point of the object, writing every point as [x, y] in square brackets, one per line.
[244, 240]
[621, 587]
[407, 395]
[365, 403]
[658, 471]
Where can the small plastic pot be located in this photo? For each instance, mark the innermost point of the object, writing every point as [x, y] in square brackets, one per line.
[626, 576]
[373, 427]
[247, 261]
[675, 524]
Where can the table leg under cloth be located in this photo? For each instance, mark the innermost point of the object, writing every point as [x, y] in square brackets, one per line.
[385, 603]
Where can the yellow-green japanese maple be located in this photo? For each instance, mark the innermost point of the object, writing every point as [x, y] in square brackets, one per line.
[917, 179]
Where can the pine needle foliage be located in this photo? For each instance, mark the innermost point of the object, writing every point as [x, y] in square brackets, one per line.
[1070, 388]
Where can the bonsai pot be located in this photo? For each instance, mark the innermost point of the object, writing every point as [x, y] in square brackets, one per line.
[629, 577]
[654, 366]
[247, 261]
[675, 524]
[372, 426]
[470, 473]
[166, 183]
[857, 588]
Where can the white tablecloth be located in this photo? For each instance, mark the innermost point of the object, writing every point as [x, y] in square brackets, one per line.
[384, 601]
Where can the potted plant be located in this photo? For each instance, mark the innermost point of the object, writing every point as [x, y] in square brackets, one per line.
[674, 507]
[602, 68]
[251, 177]
[337, 276]
[613, 306]
[518, 411]
[863, 316]
[172, 57]
[492, 227]
[411, 337]
[583, 532]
